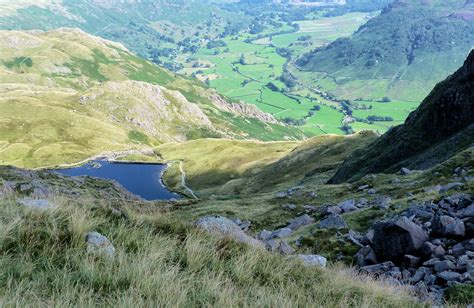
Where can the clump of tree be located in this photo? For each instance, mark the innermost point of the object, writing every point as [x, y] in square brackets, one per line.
[374, 118]
[273, 87]
[346, 106]
[304, 38]
[216, 44]
[242, 60]
[295, 122]
[284, 52]
[288, 80]
[347, 129]
[256, 27]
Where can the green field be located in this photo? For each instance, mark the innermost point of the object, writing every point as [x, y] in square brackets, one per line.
[244, 67]
[216, 44]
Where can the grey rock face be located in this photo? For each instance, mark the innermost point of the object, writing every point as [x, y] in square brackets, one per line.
[411, 261]
[99, 245]
[224, 227]
[371, 191]
[467, 212]
[333, 221]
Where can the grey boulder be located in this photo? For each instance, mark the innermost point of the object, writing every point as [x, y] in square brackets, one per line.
[99, 245]
[347, 206]
[300, 221]
[333, 221]
[312, 260]
[396, 238]
[448, 226]
[224, 227]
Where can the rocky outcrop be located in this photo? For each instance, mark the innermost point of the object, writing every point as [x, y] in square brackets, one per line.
[442, 126]
[271, 241]
[242, 109]
[149, 108]
[429, 246]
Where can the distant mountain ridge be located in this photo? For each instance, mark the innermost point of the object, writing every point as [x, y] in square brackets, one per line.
[402, 53]
[441, 127]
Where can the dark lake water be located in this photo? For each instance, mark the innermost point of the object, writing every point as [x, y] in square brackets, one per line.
[143, 180]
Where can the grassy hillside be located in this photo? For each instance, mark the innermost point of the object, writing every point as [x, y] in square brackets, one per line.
[159, 261]
[226, 167]
[238, 48]
[69, 95]
[440, 128]
[400, 54]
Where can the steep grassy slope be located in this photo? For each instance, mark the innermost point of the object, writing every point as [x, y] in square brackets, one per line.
[441, 127]
[160, 261]
[69, 95]
[401, 54]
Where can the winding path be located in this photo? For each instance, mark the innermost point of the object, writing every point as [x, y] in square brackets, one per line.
[183, 178]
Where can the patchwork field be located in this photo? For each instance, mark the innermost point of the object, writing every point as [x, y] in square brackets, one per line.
[244, 55]
[249, 69]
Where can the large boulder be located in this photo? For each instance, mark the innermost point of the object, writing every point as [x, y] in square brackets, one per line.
[366, 256]
[396, 238]
[347, 206]
[333, 221]
[448, 226]
[99, 245]
[281, 233]
[300, 221]
[223, 227]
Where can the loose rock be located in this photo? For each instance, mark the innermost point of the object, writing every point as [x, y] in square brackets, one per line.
[223, 227]
[312, 260]
[333, 221]
[99, 245]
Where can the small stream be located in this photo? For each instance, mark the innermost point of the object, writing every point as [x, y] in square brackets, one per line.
[143, 180]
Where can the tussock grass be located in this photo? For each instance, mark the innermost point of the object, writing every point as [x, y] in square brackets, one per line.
[159, 261]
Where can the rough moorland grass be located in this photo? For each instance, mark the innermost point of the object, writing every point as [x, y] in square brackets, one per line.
[159, 261]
